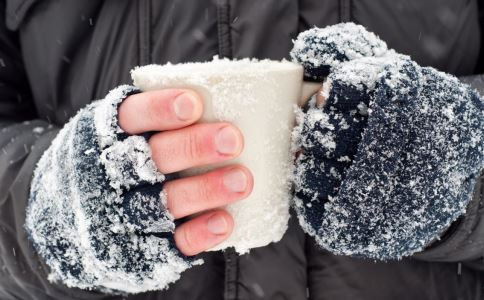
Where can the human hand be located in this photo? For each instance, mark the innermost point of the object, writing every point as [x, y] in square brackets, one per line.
[391, 158]
[180, 144]
[101, 211]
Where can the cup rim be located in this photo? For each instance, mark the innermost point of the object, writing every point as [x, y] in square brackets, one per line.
[217, 66]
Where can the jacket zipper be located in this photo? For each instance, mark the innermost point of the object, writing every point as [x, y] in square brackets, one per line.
[225, 50]
[144, 34]
[345, 10]
[223, 28]
[231, 272]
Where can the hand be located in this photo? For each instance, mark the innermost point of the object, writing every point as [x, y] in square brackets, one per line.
[100, 191]
[180, 144]
[391, 159]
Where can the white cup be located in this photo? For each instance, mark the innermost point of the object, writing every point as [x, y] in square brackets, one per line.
[259, 98]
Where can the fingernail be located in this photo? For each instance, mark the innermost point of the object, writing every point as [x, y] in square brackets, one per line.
[235, 180]
[216, 224]
[183, 106]
[226, 141]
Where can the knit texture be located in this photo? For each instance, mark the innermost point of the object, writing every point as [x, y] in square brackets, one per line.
[391, 160]
[96, 213]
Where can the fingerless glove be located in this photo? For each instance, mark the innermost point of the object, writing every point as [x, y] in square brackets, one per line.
[391, 160]
[96, 213]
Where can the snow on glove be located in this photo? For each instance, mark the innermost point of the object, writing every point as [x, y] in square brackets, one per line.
[391, 160]
[95, 213]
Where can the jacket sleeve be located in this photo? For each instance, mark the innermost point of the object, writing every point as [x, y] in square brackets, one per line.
[80, 212]
[464, 240]
[23, 138]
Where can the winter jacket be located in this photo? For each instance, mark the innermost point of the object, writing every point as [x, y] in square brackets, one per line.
[62, 55]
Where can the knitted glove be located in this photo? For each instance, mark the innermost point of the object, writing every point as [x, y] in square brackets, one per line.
[391, 160]
[95, 213]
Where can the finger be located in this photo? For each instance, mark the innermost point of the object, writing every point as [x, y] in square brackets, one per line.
[196, 145]
[217, 188]
[203, 232]
[159, 110]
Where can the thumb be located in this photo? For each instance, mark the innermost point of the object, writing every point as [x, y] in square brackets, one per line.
[320, 50]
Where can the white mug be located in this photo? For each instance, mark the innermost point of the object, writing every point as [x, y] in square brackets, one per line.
[259, 97]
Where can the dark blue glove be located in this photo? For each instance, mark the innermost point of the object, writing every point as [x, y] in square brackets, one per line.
[391, 160]
[96, 214]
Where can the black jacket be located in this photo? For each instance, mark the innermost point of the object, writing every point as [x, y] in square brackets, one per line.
[57, 56]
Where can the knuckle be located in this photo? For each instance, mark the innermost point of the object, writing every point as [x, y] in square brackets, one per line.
[154, 143]
[205, 189]
[161, 152]
[192, 148]
[184, 193]
[154, 109]
[180, 203]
